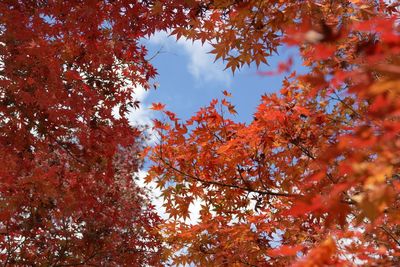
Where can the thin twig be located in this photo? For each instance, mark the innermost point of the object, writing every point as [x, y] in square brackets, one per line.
[246, 189]
[390, 235]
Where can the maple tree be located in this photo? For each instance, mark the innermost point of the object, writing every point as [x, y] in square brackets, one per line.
[313, 180]
[67, 196]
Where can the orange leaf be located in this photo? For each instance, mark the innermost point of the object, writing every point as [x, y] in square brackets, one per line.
[157, 106]
[285, 250]
[226, 93]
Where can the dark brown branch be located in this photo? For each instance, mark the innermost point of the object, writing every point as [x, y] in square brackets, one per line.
[397, 241]
[246, 189]
[345, 104]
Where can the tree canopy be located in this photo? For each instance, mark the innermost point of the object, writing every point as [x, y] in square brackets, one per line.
[312, 180]
[67, 196]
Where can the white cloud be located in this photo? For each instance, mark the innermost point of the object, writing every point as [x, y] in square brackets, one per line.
[201, 64]
[202, 67]
[143, 114]
[137, 116]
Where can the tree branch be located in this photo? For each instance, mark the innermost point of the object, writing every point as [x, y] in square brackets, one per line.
[390, 235]
[233, 186]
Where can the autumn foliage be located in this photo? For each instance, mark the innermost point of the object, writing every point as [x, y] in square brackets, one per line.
[312, 180]
[67, 196]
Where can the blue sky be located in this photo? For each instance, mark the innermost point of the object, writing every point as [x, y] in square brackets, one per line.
[189, 78]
